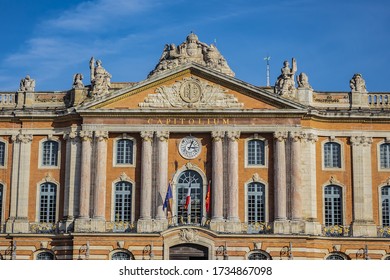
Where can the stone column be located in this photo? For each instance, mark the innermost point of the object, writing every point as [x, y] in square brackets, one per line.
[21, 224]
[162, 178]
[217, 221]
[99, 202]
[309, 183]
[14, 183]
[82, 223]
[281, 224]
[145, 222]
[296, 184]
[72, 178]
[233, 220]
[363, 223]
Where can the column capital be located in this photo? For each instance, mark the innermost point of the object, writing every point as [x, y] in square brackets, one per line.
[71, 135]
[310, 137]
[163, 136]
[147, 135]
[86, 135]
[360, 140]
[233, 135]
[217, 135]
[22, 138]
[296, 136]
[280, 136]
[101, 135]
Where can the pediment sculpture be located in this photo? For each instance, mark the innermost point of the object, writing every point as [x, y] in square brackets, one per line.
[27, 84]
[192, 50]
[285, 84]
[100, 78]
[190, 93]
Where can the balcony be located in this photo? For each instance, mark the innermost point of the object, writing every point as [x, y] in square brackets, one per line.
[384, 232]
[336, 231]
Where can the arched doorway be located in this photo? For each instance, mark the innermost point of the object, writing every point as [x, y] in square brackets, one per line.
[188, 252]
[189, 181]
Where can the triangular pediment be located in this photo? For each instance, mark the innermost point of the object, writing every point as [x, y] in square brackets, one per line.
[192, 87]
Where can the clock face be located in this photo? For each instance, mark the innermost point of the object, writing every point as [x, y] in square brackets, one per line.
[189, 147]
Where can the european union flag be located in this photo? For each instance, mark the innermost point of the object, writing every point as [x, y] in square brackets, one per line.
[168, 199]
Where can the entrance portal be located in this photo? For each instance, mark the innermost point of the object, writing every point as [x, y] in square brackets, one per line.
[188, 252]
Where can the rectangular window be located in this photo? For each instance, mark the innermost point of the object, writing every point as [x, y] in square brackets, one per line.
[123, 202]
[47, 213]
[332, 155]
[386, 206]
[333, 206]
[2, 154]
[256, 152]
[256, 203]
[385, 155]
[124, 151]
[50, 153]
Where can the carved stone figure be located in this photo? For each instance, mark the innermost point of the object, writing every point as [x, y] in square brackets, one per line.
[78, 81]
[27, 84]
[303, 81]
[357, 83]
[285, 84]
[192, 50]
[100, 78]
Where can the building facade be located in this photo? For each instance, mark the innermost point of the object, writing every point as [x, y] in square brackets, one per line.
[277, 172]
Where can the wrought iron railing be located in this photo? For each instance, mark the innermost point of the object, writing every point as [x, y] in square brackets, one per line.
[43, 228]
[336, 231]
[384, 231]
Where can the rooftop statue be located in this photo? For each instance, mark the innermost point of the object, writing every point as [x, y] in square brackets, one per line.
[192, 50]
[27, 84]
[78, 81]
[357, 83]
[100, 78]
[285, 84]
[303, 81]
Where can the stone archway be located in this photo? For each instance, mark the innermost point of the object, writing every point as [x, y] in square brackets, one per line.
[188, 251]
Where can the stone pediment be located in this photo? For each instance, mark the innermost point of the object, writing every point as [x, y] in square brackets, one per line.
[191, 87]
[191, 92]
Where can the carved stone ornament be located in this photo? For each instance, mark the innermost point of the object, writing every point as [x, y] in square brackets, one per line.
[101, 135]
[256, 177]
[147, 135]
[27, 84]
[360, 140]
[190, 93]
[124, 177]
[189, 235]
[280, 135]
[192, 50]
[100, 78]
[162, 135]
[303, 81]
[358, 84]
[285, 84]
[22, 138]
[233, 135]
[86, 135]
[78, 81]
[333, 180]
[217, 135]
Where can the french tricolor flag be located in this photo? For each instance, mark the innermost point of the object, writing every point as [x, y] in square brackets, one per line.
[188, 198]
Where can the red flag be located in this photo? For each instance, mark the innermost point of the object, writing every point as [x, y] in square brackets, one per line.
[188, 198]
[207, 198]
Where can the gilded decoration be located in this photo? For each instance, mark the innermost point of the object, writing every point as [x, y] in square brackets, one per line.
[190, 93]
[189, 235]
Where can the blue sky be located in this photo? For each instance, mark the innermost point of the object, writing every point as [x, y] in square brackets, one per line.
[331, 40]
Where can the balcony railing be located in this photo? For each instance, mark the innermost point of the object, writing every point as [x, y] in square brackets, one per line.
[257, 228]
[121, 227]
[336, 231]
[384, 232]
[43, 228]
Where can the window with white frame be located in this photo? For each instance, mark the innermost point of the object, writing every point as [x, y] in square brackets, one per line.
[332, 155]
[256, 202]
[124, 151]
[118, 256]
[255, 152]
[123, 201]
[47, 203]
[385, 193]
[2, 153]
[333, 205]
[50, 153]
[45, 256]
[384, 154]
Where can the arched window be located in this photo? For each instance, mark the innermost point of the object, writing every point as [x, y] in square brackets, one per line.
[47, 203]
[118, 256]
[333, 205]
[189, 182]
[45, 256]
[385, 198]
[123, 201]
[385, 155]
[335, 256]
[50, 153]
[259, 255]
[332, 155]
[124, 151]
[2, 153]
[256, 152]
[256, 202]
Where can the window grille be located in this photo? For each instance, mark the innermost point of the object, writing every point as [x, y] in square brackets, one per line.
[386, 206]
[47, 211]
[333, 205]
[123, 201]
[124, 151]
[385, 155]
[256, 152]
[256, 202]
[50, 153]
[332, 155]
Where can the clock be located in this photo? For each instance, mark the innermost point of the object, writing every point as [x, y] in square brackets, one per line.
[189, 147]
